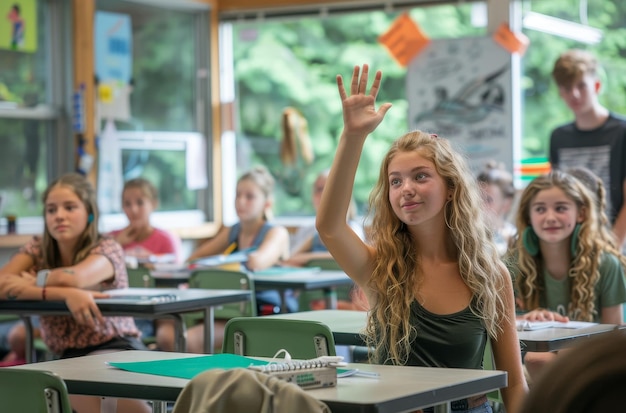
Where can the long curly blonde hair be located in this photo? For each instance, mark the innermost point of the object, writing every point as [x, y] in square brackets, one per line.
[584, 270]
[396, 274]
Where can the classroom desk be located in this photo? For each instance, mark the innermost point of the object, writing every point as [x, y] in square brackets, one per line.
[552, 339]
[347, 326]
[303, 280]
[282, 280]
[398, 389]
[165, 303]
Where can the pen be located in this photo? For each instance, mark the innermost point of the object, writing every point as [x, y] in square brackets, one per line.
[230, 248]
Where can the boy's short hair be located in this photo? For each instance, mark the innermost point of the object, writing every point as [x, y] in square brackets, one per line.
[572, 65]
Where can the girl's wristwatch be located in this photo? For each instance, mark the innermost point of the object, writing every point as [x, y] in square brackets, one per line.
[42, 277]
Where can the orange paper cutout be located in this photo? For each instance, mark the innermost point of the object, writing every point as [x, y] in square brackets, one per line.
[513, 42]
[404, 39]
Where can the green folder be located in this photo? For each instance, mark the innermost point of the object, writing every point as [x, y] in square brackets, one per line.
[188, 367]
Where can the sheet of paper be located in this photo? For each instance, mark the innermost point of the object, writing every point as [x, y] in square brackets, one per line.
[525, 325]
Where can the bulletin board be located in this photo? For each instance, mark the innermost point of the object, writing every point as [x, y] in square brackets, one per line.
[460, 89]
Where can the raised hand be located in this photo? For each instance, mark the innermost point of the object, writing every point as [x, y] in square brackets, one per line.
[360, 116]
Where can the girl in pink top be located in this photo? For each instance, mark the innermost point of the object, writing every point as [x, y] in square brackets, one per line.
[140, 239]
[72, 262]
[143, 241]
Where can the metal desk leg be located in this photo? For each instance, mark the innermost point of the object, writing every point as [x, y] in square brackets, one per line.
[209, 330]
[443, 408]
[159, 407]
[180, 330]
[283, 299]
[330, 295]
[30, 348]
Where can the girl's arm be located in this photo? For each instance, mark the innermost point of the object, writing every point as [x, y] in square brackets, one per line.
[275, 246]
[360, 118]
[612, 315]
[507, 352]
[17, 284]
[214, 246]
[90, 272]
[80, 302]
[303, 254]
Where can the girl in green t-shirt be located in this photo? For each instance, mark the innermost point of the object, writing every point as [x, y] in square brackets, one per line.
[565, 269]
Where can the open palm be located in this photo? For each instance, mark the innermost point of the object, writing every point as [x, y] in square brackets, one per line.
[360, 116]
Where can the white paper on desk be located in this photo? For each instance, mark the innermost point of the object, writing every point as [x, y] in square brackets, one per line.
[140, 295]
[525, 325]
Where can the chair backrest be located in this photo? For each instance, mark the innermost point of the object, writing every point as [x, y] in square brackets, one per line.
[324, 264]
[33, 391]
[140, 277]
[221, 279]
[489, 364]
[343, 292]
[265, 336]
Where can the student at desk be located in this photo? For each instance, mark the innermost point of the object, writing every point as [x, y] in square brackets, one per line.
[563, 266]
[433, 278]
[73, 263]
[307, 245]
[141, 240]
[253, 202]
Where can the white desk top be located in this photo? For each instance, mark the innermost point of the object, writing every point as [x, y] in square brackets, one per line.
[397, 389]
[347, 326]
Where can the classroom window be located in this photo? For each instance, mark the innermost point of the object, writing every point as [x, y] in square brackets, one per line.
[34, 140]
[292, 62]
[543, 110]
[169, 88]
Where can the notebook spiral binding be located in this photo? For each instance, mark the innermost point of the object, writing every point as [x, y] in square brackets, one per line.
[308, 374]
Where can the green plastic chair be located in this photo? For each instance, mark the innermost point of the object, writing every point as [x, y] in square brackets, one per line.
[140, 277]
[265, 336]
[220, 279]
[33, 391]
[324, 264]
[341, 292]
[495, 397]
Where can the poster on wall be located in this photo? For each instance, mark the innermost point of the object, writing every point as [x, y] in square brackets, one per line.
[113, 65]
[18, 25]
[460, 89]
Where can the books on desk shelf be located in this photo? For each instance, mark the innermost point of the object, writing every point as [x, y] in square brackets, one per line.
[525, 325]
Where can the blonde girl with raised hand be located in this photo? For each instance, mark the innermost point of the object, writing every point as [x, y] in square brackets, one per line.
[269, 243]
[435, 284]
[564, 268]
[73, 263]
